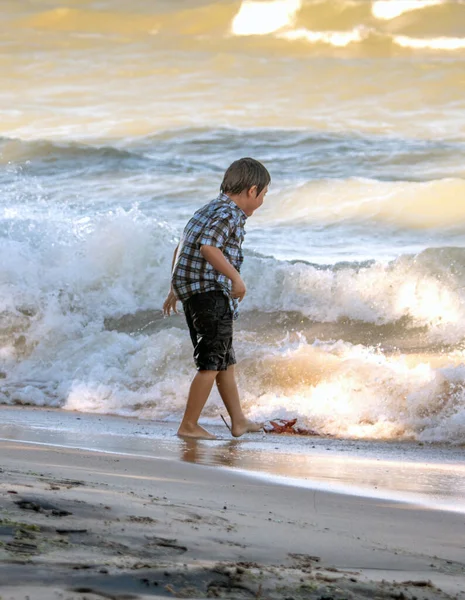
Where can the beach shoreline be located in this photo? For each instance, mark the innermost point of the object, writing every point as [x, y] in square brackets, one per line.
[430, 475]
[120, 525]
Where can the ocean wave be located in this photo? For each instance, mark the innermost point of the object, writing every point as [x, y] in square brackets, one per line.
[343, 24]
[118, 262]
[81, 327]
[404, 204]
[410, 304]
[336, 388]
[291, 152]
[288, 153]
[353, 391]
[13, 150]
[339, 39]
[386, 9]
[144, 21]
[404, 24]
[358, 35]
[261, 18]
[69, 158]
[439, 43]
[426, 289]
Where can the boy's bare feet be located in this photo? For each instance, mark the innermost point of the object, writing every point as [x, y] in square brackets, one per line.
[195, 432]
[246, 426]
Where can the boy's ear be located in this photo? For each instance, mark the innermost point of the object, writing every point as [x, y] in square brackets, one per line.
[252, 191]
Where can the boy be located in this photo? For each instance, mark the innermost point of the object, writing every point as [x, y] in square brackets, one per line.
[205, 277]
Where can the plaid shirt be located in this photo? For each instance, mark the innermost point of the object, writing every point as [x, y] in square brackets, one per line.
[219, 223]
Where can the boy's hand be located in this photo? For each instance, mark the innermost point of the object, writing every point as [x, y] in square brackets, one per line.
[170, 304]
[238, 289]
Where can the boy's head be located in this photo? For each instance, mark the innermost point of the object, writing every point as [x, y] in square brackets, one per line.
[249, 179]
[244, 174]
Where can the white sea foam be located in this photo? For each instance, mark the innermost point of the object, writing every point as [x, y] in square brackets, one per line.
[279, 17]
[333, 38]
[56, 349]
[342, 39]
[335, 388]
[354, 391]
[439, 43]
[391, 9]
[427, 289]
[261, 18]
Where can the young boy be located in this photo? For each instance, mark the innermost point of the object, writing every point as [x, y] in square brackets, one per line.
[206, 279]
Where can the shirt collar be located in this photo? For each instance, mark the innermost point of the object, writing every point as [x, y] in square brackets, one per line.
[227, 199]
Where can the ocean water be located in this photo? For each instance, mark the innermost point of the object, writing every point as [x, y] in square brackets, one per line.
[118, 120]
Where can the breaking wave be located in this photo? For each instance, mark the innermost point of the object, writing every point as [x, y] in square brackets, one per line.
[58, 348]
[379, 25]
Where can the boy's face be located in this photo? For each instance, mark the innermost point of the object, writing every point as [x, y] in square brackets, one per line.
[255, 200]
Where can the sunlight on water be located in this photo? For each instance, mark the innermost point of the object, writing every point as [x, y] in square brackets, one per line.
[440, 43]
[390, 9]
[334, 38]
[259, 18]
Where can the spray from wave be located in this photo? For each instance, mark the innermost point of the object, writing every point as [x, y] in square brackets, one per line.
[82, 328]
[261, 18]
[290, 19]
[371, 27]
[389, 9]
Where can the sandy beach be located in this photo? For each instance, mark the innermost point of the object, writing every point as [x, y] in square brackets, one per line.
[93, 524]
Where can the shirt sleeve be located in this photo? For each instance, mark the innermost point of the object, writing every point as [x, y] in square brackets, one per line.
[217, 232]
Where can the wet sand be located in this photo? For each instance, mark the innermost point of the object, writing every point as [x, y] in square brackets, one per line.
[92, 524]
[424, 474]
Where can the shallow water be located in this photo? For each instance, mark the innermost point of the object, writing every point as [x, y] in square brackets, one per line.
[428, 475]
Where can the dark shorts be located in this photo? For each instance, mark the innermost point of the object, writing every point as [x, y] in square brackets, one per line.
[210, 321]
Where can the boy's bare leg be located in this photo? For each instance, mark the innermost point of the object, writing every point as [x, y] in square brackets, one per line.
[227, 387]
[198, 394]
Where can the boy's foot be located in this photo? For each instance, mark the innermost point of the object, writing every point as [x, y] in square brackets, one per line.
[239, 429]
[195, 432]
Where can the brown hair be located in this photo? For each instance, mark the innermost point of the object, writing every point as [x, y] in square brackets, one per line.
[244, 174]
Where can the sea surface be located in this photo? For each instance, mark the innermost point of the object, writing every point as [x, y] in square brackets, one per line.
[118, 120]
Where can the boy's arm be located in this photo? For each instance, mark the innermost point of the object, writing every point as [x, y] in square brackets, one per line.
[170, 303]
[220, 263]
[174, 258]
